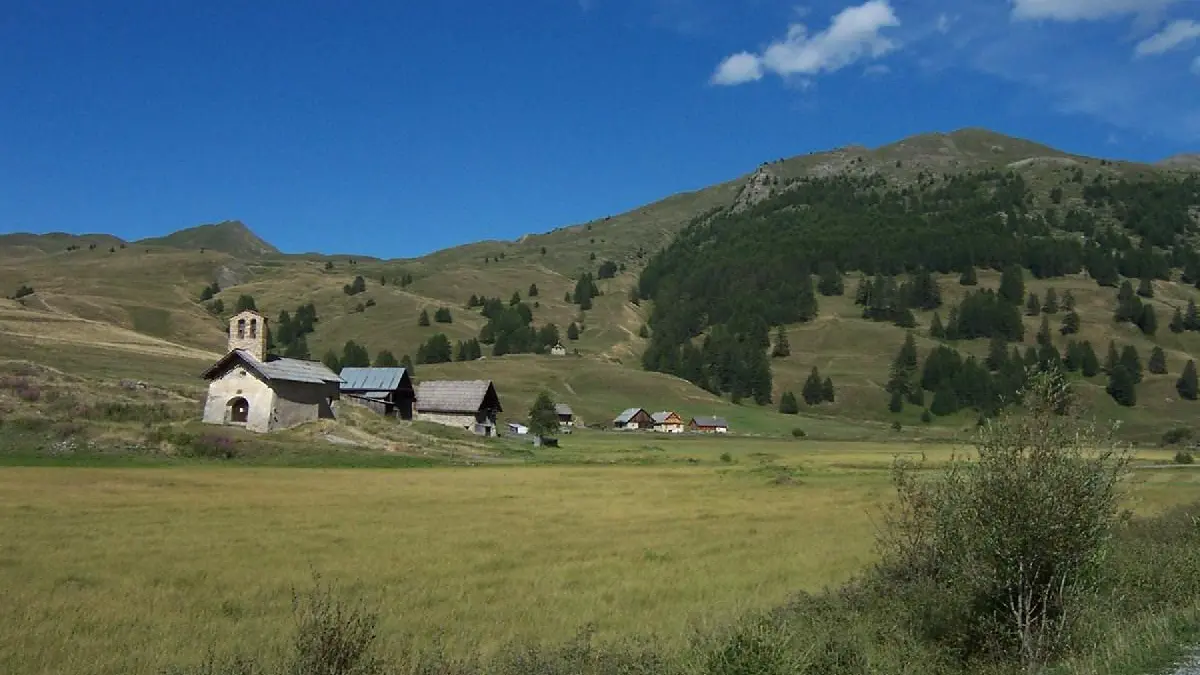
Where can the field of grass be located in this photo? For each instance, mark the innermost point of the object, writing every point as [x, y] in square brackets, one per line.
[170, 562]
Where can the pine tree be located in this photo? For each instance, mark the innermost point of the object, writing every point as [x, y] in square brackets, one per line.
[1191, 319]
[1089, 364]
[997, 353]
[331, 361]
[406, 363]
[1072, 357]
[1113, 358]
[945, 400]
[827, 392]
[572, 331]
[1043, 335]
[812, 391]
[1012, 285]
[905, 319]
[830, 280]
[1122, 387]
[1177, 324]
[245, 302]
[385, 359]
[788, 404]
[1158, 361]
[1070, 323]
[1033, 307]
[782, 346]
[908, 352]
[1132, 362]
[543, 420]
[1068, 301]
[1186, 385]
[896, 402]
[1145, 288]
[862, 292]
[1129, 307]
[936, 330]
[806, 302]
[1050, 306]
[423, 320]
[968, 277]
[515, 299]
[533, 290]
[1148, 321]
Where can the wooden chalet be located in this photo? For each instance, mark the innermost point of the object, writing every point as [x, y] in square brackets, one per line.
[709, 425]
[387, 391]
[633, 418]
[467, 404]
[668, 422]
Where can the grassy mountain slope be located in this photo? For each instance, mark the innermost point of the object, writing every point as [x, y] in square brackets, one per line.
[134, 312]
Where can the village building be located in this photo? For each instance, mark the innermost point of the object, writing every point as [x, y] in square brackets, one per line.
[558, 350]
[667, 422]
[709, 425]
[249, 389]
[517, 429]
[632, 419]
[566, 417]
[466, 404]
[387, 391]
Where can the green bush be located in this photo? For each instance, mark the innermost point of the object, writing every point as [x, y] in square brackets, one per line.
[1176, 436]
[726, 458]
[799, 433]
[1184, 457]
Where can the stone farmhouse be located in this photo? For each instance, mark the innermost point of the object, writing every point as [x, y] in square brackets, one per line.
[248, 389]
[466, 404]
[387, 391]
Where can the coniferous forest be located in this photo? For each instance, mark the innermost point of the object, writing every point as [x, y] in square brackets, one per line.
[730, 278]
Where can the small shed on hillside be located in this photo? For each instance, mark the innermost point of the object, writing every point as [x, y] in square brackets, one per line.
[466, 404]
[633, 418]
[710, 425]
[668, 422]
[387, 391]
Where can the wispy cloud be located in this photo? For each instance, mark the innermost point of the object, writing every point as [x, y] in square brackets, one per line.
[854, 34]
[1085, 10]
[1174, 35]
[1196, 66]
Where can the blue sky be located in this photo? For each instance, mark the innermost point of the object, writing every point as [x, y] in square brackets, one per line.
[397, 128]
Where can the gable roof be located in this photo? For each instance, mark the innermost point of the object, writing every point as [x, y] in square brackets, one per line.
[563, 409]
[661, 417]
[710, 422]
[372, 379]
[283, 370]
[456, 396]
[627, 415]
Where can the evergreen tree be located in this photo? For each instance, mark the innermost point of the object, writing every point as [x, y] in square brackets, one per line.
[572, 331]
[1033, 307]
[442, 315]
[1177, 324]
[862, 293]
[245, 302]
[923, 291]
[827, 392]
[830, 280]
[997, 353]
[297, 349]
[331, 361]
[1129, 307]
[788, 404]
[905, 319]
[1158, 361]
[567, 297]
[1113, 358]
[543, 420]
[1070, 323]
[1072, 357]
[1043, 335]
[1131, 362]
[1191, 319]
[354, 355]
[1122, 386]
[423, 320]
[1089, 363]
[515, 299]
[812, 392]
[936, 330]
[945, 400]
[406, 363]
[1148, 321]
[1068, 301]
[1012, 285]
[782, 346]
[968, 277]
[533, 290]
[896, 402]
[385, 359]
[1145, 288]
[908, 352]
[1186, 384]
[1050, 306]
[806, 301]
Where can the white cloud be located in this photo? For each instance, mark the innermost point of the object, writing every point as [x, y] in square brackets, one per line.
[1084, 10]
[1175, 34]
[738, 69]
[943, 23]
[854, 34]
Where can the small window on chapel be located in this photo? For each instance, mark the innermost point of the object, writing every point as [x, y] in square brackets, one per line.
[253, 328]
[241, 328]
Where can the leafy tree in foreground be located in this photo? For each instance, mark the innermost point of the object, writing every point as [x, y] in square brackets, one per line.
[543, 420]
[1006, 544]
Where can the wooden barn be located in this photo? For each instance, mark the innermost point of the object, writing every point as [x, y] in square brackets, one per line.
[387, 391]
[566, 416]
[633, 418]
[709, 425]
[667, 422]
[466, 404]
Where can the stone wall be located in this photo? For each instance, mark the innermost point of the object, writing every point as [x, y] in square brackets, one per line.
[300, 402]
[462, 421]
[238, 382]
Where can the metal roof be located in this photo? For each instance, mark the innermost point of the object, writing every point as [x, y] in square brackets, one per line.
[286, 370]
[660, 417]
[710, 422]
[454, 396]
[371, 379]
[627, 415]
[563, 409]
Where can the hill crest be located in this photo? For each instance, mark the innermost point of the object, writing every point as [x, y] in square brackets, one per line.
[229, 236]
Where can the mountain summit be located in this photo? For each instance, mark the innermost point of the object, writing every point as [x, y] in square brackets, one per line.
[230, 236]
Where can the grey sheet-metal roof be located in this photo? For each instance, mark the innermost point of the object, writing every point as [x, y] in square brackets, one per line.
[371, 379]
[710, 422]
[660, 417]
[286, 370]
[626, 415]
[453, 396]
[563, 409]
[378, 395]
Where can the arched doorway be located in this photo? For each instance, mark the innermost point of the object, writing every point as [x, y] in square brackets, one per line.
[239, 410]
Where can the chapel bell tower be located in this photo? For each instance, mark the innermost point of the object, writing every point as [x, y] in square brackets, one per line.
[248, 332]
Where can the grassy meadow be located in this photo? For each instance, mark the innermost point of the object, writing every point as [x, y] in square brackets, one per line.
[172, 562]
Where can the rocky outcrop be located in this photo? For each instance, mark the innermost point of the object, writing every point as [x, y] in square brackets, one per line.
[757, 188]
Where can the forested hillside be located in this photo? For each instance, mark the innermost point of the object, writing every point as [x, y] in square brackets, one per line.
[730, 277]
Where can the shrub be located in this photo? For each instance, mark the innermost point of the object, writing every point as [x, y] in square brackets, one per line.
[799, 433]
[993, 556]
[726, 458]
[205, 446]
[1184, 457]
[332, 637]
[1176, 436]
[926, 416]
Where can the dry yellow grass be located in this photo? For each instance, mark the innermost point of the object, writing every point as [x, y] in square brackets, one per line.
[124, 571]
